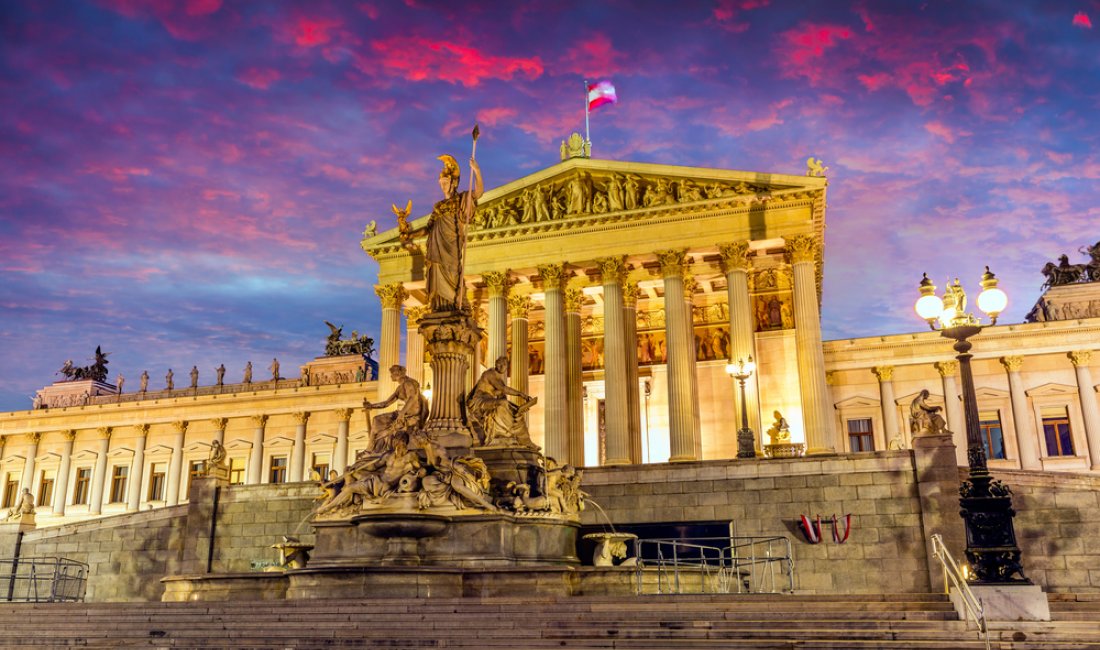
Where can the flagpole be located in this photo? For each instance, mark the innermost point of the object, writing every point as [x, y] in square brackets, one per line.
[587, 137]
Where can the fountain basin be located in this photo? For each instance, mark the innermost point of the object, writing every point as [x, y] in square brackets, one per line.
[415, 526]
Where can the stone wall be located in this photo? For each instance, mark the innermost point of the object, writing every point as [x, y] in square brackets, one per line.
[1057, 526]
[127, 554]
[253, 517]
[885, 552]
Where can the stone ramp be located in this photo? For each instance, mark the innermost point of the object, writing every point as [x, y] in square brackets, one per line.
[733, 621]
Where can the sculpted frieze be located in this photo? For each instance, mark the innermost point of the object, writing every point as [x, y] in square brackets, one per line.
[589, 193]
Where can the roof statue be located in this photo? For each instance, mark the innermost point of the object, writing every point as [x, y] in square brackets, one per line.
[336, 346]
[96, 372]
[815, 167]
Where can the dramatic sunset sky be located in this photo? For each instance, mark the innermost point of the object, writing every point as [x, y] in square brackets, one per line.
[187, 182]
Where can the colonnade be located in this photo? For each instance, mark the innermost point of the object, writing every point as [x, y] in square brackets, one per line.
[1025, 430]
[509, 314]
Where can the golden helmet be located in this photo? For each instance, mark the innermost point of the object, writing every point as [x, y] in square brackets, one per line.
[450, 167]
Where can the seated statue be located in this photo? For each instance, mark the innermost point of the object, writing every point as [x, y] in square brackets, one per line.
[924, 418]
[410, 417]
[780, 431]
[462, 482]
[494, 418]
[23, 506]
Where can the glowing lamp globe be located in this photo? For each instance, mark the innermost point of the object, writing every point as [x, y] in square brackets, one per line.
[991, 300]
[930, 307]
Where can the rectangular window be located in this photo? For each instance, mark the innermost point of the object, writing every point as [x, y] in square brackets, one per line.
[278, 470]
[118, 483]
[11, 490]
[236, 470]
[989, 422]
[1056, 430]
[320, 466]
[45, 489]
[157, 479]
[196, 469]
[80, 488]
[860, 435]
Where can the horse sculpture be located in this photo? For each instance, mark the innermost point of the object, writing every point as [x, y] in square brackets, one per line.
[1065, 273]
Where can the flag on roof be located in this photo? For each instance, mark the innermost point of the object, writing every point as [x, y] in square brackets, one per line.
[600, 93]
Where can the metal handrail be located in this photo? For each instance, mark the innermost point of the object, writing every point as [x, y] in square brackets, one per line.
[952, 575]
[718, 562]
[43, 579]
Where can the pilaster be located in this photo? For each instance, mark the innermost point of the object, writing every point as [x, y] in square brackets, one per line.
[1027, 442]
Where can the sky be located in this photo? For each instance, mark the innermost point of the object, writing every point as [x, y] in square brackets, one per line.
[186, 183]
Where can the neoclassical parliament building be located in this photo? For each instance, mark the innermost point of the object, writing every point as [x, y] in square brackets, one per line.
[619, 292]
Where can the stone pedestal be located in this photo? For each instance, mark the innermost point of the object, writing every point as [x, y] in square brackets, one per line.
[1007, 602]
[74, 393]
[511, 464]
[344, 369]
[450, 338]
[202, 508]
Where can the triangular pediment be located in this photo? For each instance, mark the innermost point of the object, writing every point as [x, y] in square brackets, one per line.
[985, 392]
[858, 401]
[1051, 389]
[580, 190]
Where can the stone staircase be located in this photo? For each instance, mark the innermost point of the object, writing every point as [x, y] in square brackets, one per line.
[732, 621]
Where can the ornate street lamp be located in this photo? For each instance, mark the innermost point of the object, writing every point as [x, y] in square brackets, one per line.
[746, 440]
[987, 512]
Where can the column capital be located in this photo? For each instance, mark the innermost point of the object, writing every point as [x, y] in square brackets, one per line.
[415, 314]
[672, 261]
[802, 248]
[519, 306]
[498, 283]
[181, 426]
[301, 417]
[105, 432]
[259, 420]
[1012, 364]
[947, 368]
[612, 269]
[884, 373]
[734, 257]
[554, 276]
[34, 437]
[1080, 357]
[391, 295]
[691, 287]
[574, 300]
[70, 434]
[343, 414]
[220, 423]
[630, 295]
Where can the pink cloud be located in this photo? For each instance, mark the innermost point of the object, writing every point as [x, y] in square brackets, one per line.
[422, 59]
[726, 12]
[1081, 19]
[186, 21]
[259, 78]
[802, 49]
[114, 173]
[310, 32]
[943, 131]
[492, 116]
[593, 55]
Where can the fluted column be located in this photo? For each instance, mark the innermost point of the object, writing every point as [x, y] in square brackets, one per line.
[473, 361]
[679, 350]
[60, 492]
[389, 346]
[633, 402]
[498, 284]
[885, 376]
[953, 407]
[28, 467]
[816, 410]
[556, 424]
[1089, 410]
[616, 419]
[175, 466]
[1027, 442]
[137, 466]
[735, 265]
[99, 474]
[574, 376]
[414, 344]
[298, 454]
[691, 287]
[256, 458]
[519, 307]
[340, 454]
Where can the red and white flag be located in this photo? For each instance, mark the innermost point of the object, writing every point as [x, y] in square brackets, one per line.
[601, 93]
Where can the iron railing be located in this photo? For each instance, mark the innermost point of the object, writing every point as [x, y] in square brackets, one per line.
[719, 565]
[953, 576]
[42, 580]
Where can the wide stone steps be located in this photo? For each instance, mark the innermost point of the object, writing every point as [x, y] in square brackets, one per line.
[749, 621]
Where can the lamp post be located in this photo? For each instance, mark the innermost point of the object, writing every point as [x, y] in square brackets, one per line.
[746, 440]
[987, 513]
